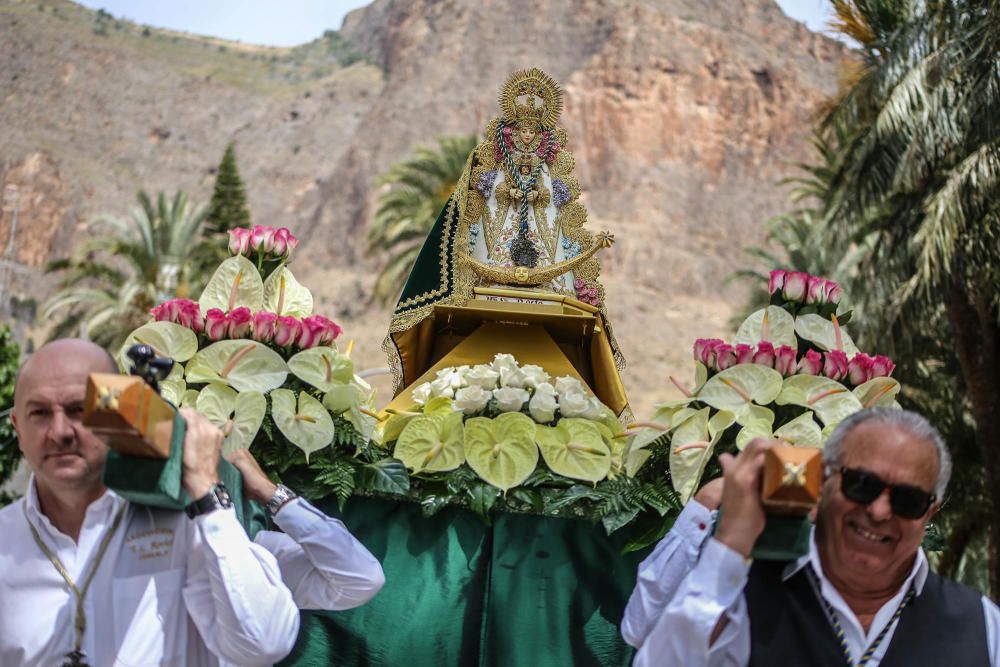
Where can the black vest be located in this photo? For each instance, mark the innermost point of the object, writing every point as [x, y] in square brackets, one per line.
[944, 625]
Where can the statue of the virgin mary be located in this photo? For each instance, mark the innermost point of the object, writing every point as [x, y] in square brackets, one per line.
[514, 221]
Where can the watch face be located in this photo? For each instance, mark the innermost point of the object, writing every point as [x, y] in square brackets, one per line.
[222, 493]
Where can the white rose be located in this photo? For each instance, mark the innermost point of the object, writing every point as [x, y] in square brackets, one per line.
[453, 376]
[442, 387]
[534, 375]
[543, 406]
[471, 400]
[545, 388]
[510, 399]
[573, 404]
[421, 393]
[512, 377]
[502, 361]
[569, 385]
[482, 376]
[594, 411]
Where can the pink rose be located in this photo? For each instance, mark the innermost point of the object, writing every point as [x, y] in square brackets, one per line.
[882, 366]
[191, 316]
[262, 239]
[161, 313]
[835, 365]
[725, 356]
[816, 290]
[764, 354]
[284, 242]
[324, 330]
[811, 363]
[833, 292]
[215, 324]
[239, 322]
[704, 350]
[286, 331]
[239, 241]
[263, 326]
[776, 281]
[795, 286]
[859, 369]
[310, 332]
[744, 353]
[180, 311]
[784, 360]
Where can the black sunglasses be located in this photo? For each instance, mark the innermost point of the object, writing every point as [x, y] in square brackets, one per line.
[863, 487]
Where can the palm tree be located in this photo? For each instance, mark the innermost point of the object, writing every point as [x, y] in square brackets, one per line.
[800, 235]
[419, 188]
[920, 176]
[125, 267]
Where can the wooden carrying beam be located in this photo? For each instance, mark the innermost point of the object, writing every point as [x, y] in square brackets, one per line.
[128, 415]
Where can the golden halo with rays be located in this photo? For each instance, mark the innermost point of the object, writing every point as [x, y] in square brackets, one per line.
[537, 85]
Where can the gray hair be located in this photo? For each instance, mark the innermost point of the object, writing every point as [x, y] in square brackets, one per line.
[914, 423]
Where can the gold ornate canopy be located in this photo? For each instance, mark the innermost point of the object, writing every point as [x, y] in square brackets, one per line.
[426, 327]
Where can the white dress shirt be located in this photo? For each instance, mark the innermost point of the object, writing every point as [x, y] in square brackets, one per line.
[323, 565]
[169, 590]
[681, 594]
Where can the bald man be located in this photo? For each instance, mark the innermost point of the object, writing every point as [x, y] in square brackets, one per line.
[89, 579]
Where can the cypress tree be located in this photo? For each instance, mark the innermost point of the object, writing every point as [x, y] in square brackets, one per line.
[228, 208]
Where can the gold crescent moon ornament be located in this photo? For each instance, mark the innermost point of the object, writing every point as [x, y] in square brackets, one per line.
[532, 277]
[531, 95]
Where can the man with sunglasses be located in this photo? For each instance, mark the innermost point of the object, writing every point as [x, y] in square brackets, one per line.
[863, 595]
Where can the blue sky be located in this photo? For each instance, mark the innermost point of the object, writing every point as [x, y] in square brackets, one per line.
[292, 22]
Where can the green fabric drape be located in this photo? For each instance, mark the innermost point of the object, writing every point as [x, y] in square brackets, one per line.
[159, 482]
[434, 267]
[527, 590]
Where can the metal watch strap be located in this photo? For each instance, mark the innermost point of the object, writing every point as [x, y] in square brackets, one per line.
[282, 496]
[217, 498]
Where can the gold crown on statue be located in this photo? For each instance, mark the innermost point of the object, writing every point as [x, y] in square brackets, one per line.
[531, 95]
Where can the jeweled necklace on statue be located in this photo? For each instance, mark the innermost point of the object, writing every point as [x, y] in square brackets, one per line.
[522, 250]
[75, 658]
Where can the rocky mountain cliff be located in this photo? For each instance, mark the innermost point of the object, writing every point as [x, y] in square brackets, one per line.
[682, 114]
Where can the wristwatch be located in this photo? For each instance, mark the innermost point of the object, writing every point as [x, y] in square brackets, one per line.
[217, 498]
[282, 495]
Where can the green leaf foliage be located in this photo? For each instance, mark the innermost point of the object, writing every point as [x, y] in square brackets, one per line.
[384, 476]
[10, 359]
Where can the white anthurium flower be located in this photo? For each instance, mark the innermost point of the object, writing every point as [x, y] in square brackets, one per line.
[594, 410]
[442, 387]
[482, 375]
[510, 399]
[574, 404]
[422, 393]
[569, 385]
[472, 399]
[534, 375]
[543, 404]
